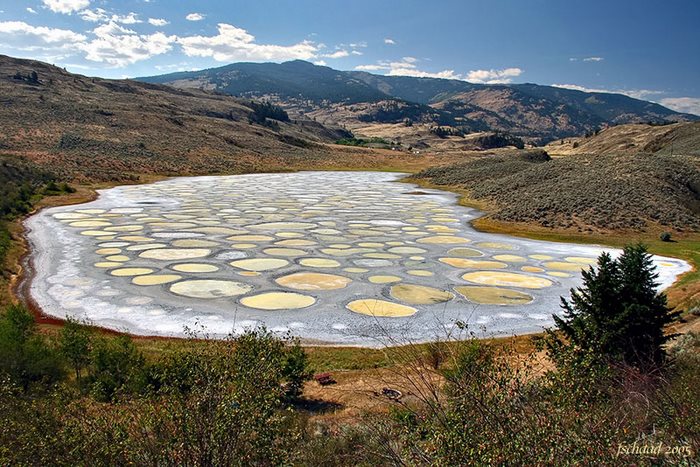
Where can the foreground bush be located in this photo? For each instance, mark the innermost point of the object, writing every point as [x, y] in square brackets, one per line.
[226, 403]
[484, 410]
[27, 359]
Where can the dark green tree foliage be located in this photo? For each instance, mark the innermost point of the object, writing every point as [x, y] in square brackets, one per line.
[296, 370]
[26, 357]
[219, 404]
[20, 186]
[616, 315]
[75, 343]
[116, 366]
[264, 110]
[500, 140]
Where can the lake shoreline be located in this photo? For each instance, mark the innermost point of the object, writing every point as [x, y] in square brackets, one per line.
[331, 343]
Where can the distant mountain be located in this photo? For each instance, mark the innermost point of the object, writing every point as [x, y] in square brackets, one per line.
[538, 113]
[295, 79]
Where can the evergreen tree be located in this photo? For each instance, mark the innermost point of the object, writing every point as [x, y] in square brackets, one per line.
[616, 315]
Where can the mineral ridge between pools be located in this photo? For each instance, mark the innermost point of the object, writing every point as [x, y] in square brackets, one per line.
[336, 257]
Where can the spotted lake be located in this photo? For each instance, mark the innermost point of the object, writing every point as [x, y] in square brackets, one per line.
[349, 258]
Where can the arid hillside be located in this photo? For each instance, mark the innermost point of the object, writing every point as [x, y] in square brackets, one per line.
[86, 128]
[584, 193]
[678, 138]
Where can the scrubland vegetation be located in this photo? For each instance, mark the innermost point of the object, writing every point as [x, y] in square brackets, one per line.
[21, 184]
[604, 380]
[583, 192]
[365, 142]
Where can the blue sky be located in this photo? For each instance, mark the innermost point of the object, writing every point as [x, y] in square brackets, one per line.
[646, 49]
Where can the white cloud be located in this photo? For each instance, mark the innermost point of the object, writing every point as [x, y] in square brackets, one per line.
[31, 10]
[337, 54]
[407, 67]
[66, 6]
[492, 76]
[320, 63]
[577, 87]
[370, 67]
[689, 105]
[643, 94]
[158, 21]
[131, 18]
[118, 46]
[233, 44]
[22, 36]
[94, 16]
[100, 15]
[593, 59]
[389, 41]
[356, 52]
[194, 17]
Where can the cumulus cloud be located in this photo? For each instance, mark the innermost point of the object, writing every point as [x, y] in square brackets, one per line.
[31, 10]
[66, 6]
[689, 105]
[492, 76]
[194, 17]
[320, 63]
[577, 87]
[131, 18]
[99, 15]
[158, 22]
[389, 41]
[118, 46]
[337, 54]
[644, 94]
[407, 66]
[233, 44]
[22, 36]
[370, 67]
[94, 16]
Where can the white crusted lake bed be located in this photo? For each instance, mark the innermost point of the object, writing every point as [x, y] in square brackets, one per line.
[348, 258]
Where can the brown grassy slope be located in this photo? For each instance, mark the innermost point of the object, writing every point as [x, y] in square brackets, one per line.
[679, 138]
[584, 193]
[95, 129]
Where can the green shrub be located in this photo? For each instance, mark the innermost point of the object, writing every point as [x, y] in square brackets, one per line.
[75, 345]
[116, 366]
[26, 357]
[665, 237]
